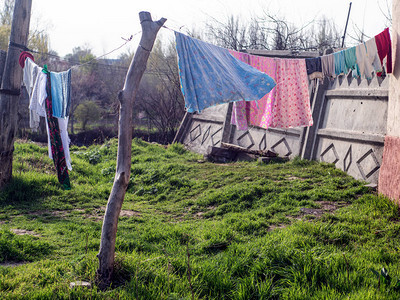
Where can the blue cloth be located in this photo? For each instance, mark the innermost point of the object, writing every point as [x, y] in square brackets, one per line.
[340, 65]
[210, 75]
[351, 61]
[61, 93]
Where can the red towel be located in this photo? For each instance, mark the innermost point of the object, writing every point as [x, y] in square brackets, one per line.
[24, 55]
[384, 46]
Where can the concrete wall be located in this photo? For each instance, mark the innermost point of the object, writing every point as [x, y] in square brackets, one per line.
[350, 125]
[350, 118]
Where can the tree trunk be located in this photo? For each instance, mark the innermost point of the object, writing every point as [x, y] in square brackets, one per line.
[123, 170]
[10, 87]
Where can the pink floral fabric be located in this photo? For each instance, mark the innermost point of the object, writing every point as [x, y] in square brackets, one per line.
[292, 100]
[288, 103]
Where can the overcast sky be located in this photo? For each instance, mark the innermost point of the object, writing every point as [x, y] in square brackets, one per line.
[100, 24]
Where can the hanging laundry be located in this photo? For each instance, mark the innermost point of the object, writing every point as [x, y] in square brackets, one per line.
[63, 126]
[30, 75]
[292, 100]
[328, 66]
[384, 46]
[57, 148]
[61, 93]
[373, 57]
[363, 61]
[40, 105]
[210, 75]
[23, 56]
[350, 59]
[340, 64]
[256, 113]
[286, 106]
[314, 67]
[39, 95]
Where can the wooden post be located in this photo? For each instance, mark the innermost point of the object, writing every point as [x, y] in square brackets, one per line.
[10, 87]
[123, 170]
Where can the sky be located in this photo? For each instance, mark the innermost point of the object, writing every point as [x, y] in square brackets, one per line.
[100, 25]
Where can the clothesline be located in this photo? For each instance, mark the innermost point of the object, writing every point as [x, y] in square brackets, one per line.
[127, 40]
[210, 77]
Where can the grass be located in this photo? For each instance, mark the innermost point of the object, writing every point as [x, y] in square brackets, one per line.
[239, 231]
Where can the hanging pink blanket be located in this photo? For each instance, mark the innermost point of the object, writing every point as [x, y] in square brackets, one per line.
[255, 112]
[288, 103]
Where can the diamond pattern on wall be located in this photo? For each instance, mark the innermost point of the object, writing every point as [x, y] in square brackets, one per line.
[263, 143]
[368, 164]
[213, 138]
[329, 155]
[206, 134]
[246, 140]
[195, 133]
[279, 144]
[347, 160]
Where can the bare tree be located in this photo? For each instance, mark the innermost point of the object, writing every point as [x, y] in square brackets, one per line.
[322, 35]
[236, 35]
[271, 32]
[386, 11]
[123, 170]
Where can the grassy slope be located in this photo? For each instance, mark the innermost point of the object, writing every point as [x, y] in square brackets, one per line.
[222, 214]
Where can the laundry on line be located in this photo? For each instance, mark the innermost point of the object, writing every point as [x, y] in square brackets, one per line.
[49, 97]
[211, 75]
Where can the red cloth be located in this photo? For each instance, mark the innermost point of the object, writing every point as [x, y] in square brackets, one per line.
[23, 56]
[384, 46]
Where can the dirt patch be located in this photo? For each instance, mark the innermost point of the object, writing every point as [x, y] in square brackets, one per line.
[312, 213]
[326, 207]
[12, 264]
[25, 232]
[54, 213]
[95, 215]
[123, 213]
[129, 213]
[278, 226]
[201, 213]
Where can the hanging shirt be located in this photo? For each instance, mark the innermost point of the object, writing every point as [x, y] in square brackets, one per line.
[384, 46]
[210, 75]
[314, 68]
[30, 74]
[39, 94]
[365, 66]
[340, 64]
[61, 93]
[372, 53]
[328, 66]
[350, 59]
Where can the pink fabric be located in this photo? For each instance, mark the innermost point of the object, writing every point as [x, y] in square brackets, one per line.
[292, 100]
[257, 113]
[286, 106]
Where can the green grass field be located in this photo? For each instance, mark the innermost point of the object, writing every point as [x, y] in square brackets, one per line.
[193, 229]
